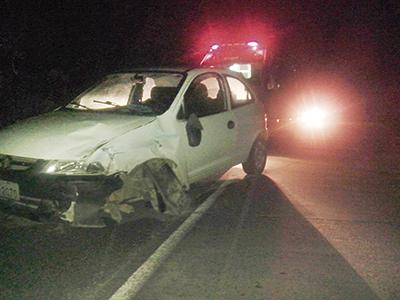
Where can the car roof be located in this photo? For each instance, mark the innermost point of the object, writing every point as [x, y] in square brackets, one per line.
[186, 70]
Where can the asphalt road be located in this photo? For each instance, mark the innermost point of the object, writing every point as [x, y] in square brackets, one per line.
[321, 223]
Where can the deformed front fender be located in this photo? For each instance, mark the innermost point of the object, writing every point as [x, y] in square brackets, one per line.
[153, 181]
[149, 164]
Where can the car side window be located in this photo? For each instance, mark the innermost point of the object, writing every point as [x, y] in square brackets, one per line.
[240, 94]
[205, 96]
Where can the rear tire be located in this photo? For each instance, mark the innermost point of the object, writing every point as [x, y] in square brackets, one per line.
[257, 159]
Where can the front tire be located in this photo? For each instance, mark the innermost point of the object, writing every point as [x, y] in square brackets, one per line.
[257, 159]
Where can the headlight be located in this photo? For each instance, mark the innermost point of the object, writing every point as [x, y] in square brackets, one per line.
[313, 118]
[73, 168]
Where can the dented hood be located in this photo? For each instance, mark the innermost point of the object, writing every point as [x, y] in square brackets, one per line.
[66, 135]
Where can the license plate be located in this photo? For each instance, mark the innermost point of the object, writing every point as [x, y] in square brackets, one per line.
[9, 190]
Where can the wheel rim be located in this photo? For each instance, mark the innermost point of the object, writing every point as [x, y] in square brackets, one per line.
[260, 155]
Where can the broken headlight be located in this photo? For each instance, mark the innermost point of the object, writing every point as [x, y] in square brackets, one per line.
[73, 168]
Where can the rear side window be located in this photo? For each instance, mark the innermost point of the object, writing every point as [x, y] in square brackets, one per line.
[240, 95]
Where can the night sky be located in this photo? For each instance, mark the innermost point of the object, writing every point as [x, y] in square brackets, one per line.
[357, 42]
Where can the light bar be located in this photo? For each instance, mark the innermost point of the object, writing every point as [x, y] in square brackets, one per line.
[252, 44]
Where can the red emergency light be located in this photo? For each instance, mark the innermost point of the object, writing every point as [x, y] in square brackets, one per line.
[252, 44]
[229, 53]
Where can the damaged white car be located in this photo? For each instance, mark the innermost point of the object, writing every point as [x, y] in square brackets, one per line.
[138, 137]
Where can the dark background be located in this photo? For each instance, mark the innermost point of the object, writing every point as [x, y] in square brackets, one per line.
[50, 48]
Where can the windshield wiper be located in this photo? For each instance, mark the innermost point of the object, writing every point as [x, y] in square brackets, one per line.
[80, 105]
[107, 102]
[138, 108]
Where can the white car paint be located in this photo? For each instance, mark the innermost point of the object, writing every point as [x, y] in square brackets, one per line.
[122, 142]
[214, 154]
[65, 135]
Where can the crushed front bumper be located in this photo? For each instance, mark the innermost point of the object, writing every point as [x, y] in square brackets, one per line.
[76, 199]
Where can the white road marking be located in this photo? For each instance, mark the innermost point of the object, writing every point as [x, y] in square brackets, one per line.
[138, 279]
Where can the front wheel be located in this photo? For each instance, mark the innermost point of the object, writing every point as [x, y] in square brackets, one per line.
[257, 159]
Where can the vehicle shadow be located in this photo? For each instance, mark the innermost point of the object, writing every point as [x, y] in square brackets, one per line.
[254, 244]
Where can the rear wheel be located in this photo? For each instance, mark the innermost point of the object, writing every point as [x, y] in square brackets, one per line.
[257, 159]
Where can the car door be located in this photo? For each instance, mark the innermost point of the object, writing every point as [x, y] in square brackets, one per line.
[205, 103]
[248, 113]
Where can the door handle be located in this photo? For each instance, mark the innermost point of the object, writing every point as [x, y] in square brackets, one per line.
[231, 124]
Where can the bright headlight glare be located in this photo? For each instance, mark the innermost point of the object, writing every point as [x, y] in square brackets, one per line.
[314, 117]
[73, 168]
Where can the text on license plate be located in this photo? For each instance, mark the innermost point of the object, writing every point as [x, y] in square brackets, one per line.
[9, 190]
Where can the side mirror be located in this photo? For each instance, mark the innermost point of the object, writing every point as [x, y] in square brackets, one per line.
[193, 130]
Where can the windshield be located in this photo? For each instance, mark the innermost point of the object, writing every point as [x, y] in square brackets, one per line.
[143, 93]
